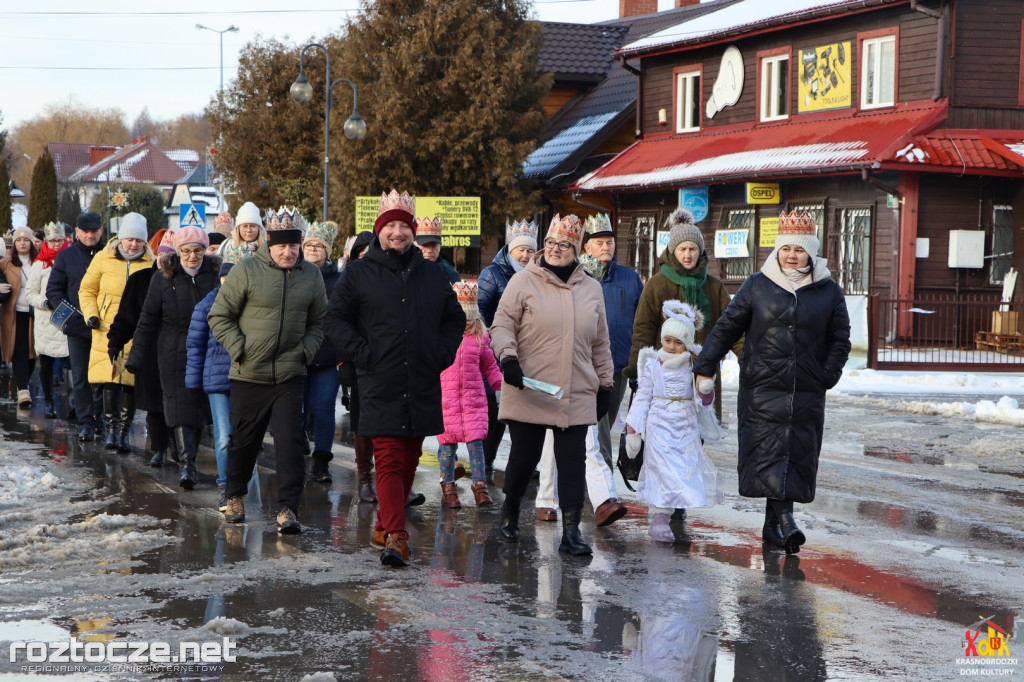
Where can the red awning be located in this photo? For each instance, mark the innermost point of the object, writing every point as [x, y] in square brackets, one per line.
[966, 150]
[819, 145]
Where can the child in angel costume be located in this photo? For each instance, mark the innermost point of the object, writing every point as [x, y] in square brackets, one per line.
[672, 418]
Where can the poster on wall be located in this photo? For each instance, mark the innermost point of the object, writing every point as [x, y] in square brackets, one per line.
[769, 231]
[731, 243]
[825, 80]
[460, 217]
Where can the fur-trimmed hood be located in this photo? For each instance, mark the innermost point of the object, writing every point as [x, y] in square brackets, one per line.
[169, 263]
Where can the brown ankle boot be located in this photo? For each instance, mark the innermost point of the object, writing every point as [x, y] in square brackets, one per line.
[483, 498]
[450, 496]
[364, 465]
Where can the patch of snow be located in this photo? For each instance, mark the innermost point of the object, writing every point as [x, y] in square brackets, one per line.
[227, 626]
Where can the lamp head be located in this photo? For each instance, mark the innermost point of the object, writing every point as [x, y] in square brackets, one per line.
[232, 29]
[355, 128]
[301, 91]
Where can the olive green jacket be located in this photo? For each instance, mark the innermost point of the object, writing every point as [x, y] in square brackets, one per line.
[269, 319]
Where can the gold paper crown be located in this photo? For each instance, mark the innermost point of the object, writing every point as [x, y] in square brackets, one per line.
[596, 224]
[53, 231]
[793, 223]
[428, 227]
[466, 292]
[285, 218]
[395, 201]
[568, 229]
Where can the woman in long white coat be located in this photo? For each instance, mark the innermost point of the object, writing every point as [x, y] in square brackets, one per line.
[50, 342]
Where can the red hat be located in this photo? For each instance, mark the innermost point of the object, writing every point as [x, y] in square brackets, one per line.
[395, 206]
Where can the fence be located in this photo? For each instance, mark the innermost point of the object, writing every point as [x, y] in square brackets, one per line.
[943, 333]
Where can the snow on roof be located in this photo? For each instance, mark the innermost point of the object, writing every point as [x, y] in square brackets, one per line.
[733, 18]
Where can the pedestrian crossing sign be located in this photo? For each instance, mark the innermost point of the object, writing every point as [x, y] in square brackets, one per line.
[192, 214]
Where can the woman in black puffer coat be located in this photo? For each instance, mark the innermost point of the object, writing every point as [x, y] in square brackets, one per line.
[184, 279]
[797, 341]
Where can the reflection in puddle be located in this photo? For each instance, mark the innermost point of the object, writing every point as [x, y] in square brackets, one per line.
[906, 456]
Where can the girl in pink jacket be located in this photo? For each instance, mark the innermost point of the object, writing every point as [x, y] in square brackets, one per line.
[464, 402]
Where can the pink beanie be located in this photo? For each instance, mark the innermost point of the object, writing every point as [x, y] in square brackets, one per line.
[166, 243]
[190, 235]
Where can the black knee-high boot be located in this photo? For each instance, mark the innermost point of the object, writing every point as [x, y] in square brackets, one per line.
[124, 419]
[111, 413]
[187, 443]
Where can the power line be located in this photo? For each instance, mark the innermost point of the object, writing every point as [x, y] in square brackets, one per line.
[112, 68]
[170, 13]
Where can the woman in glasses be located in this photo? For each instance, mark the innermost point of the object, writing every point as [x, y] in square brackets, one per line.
[550, 326]
[185, 278]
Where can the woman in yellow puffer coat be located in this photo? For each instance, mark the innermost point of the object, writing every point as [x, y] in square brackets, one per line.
[100, 298]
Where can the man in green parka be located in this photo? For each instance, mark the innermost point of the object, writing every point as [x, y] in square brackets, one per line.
[268, 318]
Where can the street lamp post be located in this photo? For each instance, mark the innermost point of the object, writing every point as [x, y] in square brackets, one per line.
[302, 92]
[229, 29]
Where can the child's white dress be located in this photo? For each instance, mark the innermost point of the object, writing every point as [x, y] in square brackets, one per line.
[676, 473]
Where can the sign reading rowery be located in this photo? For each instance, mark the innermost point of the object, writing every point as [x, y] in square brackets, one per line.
[460, 217]
[731, 243]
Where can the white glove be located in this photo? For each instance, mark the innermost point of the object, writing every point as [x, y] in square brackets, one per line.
[5, 288]
[706, 386]
[634, 441]
[497, 397]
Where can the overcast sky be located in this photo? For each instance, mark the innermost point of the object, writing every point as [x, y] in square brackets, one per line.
[129, 54]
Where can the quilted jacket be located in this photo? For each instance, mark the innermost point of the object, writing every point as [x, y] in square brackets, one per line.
[208, 363]
[463, 398]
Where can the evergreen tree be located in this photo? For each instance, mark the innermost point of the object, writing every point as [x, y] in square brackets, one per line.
[69, 209]
[451, 95]
[42, 204]
[142, 199]
[5, 198]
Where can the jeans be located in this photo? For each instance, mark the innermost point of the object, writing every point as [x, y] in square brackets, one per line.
[321, 398]
[220, 408]
[446, 460]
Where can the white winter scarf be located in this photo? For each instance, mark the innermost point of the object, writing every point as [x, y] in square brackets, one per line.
[673, 360]
[773, 271]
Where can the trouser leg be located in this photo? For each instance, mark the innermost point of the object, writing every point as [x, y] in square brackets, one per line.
[600, 481]
[250, 416]
[547, 485]
[495, 431]
[78, 357]
[604, 427]
[393, 459]
[571, 461]
[289, 432]
[527, 443]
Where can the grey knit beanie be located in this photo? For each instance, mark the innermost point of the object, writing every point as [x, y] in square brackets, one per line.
[681, 229]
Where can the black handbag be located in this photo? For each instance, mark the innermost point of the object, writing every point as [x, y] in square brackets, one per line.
[629, 468]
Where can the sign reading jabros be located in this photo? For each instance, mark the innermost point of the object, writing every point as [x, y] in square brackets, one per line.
[762, 192]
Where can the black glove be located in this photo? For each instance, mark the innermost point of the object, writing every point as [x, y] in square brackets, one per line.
[604, 401]
[512, 372]
[93, 322]
[47, 306]
[633, 385]
[346, 374]
[113, 353]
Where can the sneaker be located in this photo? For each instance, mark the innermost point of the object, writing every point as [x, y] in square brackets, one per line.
[287, 523]
[379, 539]
[235, 510]
[396, 550]
[222, 503]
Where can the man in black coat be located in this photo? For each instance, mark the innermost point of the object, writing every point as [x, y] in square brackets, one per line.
[395, 314]
[65, 279]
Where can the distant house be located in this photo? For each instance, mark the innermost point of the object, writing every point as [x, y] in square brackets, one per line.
[195, 187]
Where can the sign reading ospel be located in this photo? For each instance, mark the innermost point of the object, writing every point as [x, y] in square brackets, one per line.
[762, 192]
[460, 217]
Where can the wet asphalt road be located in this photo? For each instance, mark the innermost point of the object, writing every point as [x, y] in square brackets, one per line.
[917, 531]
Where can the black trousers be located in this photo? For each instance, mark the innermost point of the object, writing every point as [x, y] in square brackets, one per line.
[570, 460]
[78, 354]
[159, 432]
[253, 408]
[22, 365]
[495, 430]
[46, 376]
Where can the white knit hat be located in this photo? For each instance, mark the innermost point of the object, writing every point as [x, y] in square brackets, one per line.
[520, 233]
[249, 214]
[133, 226]
[798, 230]
[682, 321]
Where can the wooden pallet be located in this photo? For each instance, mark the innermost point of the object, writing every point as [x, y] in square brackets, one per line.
[1001, 343]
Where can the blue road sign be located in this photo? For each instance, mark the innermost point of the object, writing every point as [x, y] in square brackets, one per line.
[192, 214]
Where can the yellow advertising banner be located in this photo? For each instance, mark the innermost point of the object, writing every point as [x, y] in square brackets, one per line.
[769, 231]
[460, 217]
[824, 78]
[762, 192]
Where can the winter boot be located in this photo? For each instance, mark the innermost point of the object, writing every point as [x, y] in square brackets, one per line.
[364, 465]
[125, 418]
[450, 496]
[483, 498]
[792, 536]
[770, 533]
[572, 541]
[111, 414]
[49, 412]
[185, 437]
[97, 409]
[659, 529]
[396, 550]
[172, 451]
[509, 530]
[157, 460]
[321, 472]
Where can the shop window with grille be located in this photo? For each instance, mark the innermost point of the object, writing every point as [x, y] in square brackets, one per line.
[1002, 243]
[740, 268]
[817, 211]
[850, 250]
[641, 244]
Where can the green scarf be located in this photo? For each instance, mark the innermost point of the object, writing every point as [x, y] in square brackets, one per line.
[691, 284]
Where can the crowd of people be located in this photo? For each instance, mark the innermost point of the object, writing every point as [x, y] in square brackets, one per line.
[255, 326]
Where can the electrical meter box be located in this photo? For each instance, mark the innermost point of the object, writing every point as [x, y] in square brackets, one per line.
[966, 248]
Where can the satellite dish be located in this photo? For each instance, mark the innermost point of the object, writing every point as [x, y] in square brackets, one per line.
[729, 84]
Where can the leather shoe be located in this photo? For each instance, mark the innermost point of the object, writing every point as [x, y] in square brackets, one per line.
[770, 533]
[792, 536]
[379, 539]
[609, 511]
[546, 514]
[415, 499]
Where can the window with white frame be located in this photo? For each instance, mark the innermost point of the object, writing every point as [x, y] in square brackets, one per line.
[878, 72]
[641, 244]
[851, 249]
[1002, 243]
[687, 101]
[775, 87]
[740, 268]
